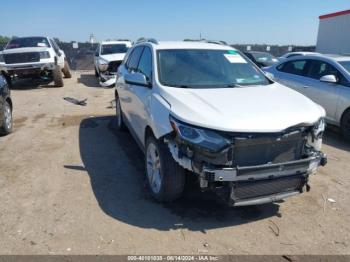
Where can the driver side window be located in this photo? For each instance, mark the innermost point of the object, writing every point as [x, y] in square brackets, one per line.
[145, 64]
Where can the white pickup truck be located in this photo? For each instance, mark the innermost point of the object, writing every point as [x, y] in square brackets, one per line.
[34, 57]
[108, 57]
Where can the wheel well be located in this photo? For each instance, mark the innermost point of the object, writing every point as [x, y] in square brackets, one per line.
[342, 116]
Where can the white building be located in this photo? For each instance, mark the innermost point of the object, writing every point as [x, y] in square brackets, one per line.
[334, 33]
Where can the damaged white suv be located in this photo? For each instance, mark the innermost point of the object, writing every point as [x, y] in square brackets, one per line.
[205, 109]
[108, 57]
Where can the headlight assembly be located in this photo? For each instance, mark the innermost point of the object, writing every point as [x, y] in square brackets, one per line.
[102, 65]
[202, 138]
[44, 55]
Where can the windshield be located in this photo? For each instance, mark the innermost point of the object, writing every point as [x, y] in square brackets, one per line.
[113, 49]
[346, 65]
[264, 58]
[207, 69]
[28, 42]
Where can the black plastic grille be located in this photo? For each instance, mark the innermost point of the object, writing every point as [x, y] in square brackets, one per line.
[266, 187]
[22, 58]
[268, 149]
[113, 66]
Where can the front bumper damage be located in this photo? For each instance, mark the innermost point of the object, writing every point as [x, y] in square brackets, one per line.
[252, 184]
[108, 79]
[27, 70]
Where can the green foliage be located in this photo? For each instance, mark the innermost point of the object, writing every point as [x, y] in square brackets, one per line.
[4, 40]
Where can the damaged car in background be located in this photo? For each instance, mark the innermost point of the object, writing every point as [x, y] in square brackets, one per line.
[108, 57]
[34, 57]
[203, 109]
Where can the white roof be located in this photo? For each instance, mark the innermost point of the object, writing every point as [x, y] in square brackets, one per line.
[109, 42]
[189, 45]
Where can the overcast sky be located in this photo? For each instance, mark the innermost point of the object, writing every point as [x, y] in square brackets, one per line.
[235, 21]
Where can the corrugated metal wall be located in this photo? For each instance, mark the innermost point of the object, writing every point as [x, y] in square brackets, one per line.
[334, 35]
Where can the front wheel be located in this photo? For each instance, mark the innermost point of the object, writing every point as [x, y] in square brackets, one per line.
[165, 178]
[57, 77]
[7, 123]
[66, 70]
[119, 113]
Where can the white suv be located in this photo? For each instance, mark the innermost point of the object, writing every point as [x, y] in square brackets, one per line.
[34, 57]
[204, 109]
[108, 57]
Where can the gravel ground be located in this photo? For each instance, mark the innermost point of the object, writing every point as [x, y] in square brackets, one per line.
[71, 184]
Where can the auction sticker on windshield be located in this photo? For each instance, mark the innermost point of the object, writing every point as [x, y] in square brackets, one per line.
[234, 57]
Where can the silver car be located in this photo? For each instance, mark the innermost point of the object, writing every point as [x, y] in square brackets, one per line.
[325, 79]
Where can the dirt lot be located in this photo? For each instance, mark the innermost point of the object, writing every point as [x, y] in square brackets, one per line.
[71, 184]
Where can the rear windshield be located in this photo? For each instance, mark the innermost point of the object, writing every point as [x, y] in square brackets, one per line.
[346, 65]
[113, 49]
[28, 42]
[199, 68]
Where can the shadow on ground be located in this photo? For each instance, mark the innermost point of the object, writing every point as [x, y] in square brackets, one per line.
[115, 166]
[89, 80]
[333, 137]
[27, 84]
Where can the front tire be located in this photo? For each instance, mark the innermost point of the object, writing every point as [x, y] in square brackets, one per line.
[7, 123]
[119, 113]
[66, 70]
[345, 125]
[57, 77]
[165, 178]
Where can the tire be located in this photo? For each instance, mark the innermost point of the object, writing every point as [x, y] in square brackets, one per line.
[119, 113]
[66, 70]
[57, 77]
[96, 73]
[7, 123]
[9, 81]
[165, 178]
[345, 125]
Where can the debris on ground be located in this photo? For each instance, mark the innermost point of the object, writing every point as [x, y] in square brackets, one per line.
[274, 228]
[76, 101]
[331, 200]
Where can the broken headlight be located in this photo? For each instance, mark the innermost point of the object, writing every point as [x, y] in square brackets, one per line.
[315, 137]
[102, 65]
[204, 139]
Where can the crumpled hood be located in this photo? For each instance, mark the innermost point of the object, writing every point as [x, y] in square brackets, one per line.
[113, 57]
[261, 109]
[24, 50]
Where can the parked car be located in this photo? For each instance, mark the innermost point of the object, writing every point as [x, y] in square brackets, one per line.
[34, 57]
[6, 121]
[202, 108]
[108, 57]
[325, 79]
[261, 59]
[293, 54]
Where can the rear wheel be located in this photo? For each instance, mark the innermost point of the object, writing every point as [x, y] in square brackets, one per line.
[7, 123]
[345, 125]
[57, 77]
[165, 178]
[66, 70]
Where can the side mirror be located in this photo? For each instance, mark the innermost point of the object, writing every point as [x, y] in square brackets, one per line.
[329, 79]
[136, 79]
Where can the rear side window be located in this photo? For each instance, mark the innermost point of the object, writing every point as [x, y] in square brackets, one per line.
[145, 64]
[134, 59]
[297, 67]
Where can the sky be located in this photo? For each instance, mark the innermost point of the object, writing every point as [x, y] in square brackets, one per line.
[234, 21]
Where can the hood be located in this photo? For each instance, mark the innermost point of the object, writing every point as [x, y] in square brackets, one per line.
[259, 109]
[113, 57]
[24, 50]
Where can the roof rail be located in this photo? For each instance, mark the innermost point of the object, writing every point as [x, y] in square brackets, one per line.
[207, 41]
[149, 40]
